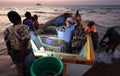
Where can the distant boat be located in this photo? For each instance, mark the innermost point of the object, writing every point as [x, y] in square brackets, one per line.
[38, 4]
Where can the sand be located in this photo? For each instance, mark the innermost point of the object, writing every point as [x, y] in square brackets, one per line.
[7, 68]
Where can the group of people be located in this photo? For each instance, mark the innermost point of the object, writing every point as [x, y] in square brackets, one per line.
[112, 34]
[17, 37]
[74, 25]
[32, 23]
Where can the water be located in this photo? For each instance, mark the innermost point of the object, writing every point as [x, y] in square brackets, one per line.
[107, 15]
[104, 17]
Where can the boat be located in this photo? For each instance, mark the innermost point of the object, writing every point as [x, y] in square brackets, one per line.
[84, 54]
[38, 4]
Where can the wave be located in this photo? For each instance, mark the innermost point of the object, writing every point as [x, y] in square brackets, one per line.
[3, 14]
[105, 14]
[104, 25]
[41, 12]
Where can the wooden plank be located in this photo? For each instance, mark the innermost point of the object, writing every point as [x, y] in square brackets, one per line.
[88, 48]
[65, 70]
[78, 61]
[92, 54]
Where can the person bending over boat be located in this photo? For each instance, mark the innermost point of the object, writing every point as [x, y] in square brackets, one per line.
[17, 40]
[113, 35]
[69, 34]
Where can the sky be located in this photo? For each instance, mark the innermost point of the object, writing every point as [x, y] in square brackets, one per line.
[67, 2]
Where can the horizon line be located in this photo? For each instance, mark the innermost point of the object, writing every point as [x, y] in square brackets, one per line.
[33, 3]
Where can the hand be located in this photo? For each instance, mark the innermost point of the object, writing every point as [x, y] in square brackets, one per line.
[87, 30]
[10, 52]
[20, 70]
[19, 67]
[102, 43]
[80, 18]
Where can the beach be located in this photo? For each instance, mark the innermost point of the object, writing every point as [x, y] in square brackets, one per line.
[103, 16]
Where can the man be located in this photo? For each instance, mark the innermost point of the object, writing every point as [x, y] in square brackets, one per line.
[69, 34]
[113, 35]
[92, 29]
[29, 22]
[17, 40]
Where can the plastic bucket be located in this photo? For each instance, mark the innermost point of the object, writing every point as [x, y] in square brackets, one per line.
[47, 66]
[61, 34]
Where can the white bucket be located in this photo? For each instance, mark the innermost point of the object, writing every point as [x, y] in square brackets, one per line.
[61, 34]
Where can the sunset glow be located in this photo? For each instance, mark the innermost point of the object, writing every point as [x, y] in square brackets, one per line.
[40, 0]
[115, 2]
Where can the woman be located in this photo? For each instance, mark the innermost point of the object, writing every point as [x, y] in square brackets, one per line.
[28, 21]
[17, 40]
[36, 23]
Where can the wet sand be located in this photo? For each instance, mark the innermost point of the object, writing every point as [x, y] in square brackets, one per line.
[7, 68]
[102, 69]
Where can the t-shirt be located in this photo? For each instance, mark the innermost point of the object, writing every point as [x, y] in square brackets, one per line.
[92, 29]
[69, 33]
[30, 23]
[15, 35]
